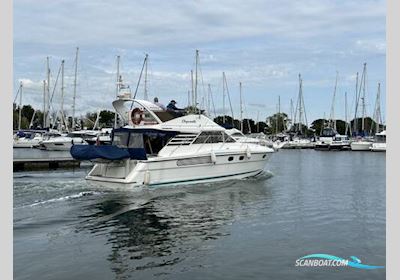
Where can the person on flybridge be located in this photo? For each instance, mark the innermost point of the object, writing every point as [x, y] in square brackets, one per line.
[158, 103]
[172, 108]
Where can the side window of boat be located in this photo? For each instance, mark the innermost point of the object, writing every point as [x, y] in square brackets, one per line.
[135, 140]
[120, 139]
[202, 138]
[227, 138]
[209, 137]
[215, 137]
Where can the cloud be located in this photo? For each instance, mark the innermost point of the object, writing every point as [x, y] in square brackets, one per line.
[263, 44]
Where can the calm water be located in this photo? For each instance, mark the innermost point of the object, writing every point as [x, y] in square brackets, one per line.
[307, 202]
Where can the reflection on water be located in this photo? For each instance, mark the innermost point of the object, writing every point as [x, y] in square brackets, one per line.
[315, 202]
[159, 228]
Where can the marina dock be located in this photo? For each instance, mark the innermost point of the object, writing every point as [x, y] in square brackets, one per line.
[31, 158]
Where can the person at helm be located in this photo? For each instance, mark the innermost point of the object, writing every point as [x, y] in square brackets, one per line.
[172, 108]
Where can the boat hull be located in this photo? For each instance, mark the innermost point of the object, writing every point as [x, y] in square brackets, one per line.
[61, 144]
[378, 147]
[361, 146]
[159, 172]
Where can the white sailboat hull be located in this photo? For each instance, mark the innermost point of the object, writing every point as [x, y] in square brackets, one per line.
[378, 147]
[360, 146]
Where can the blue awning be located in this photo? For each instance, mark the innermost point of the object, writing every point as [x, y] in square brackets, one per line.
[110, 152]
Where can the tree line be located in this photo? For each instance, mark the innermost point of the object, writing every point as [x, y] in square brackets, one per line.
[274, 124]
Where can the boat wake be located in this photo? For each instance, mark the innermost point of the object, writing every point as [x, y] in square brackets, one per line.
[63, 198]
[263, 175]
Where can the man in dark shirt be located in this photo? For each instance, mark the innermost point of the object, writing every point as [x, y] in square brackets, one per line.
[172, 108]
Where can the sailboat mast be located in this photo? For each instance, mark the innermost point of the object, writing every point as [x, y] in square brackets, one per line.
[20, 106]
[241, 107]
[62, 92]
[117, 89]
[223, 96]
[258, 122]
[192, 83]
[146, 59]
[44, 103]
[363, 98]
[209, 100]
[378, 108]
[74, 96]
[355, 128]
[345, 112]
[48, 92]
[332, 117]
[291, 111]
[196, 77]
[300, 103]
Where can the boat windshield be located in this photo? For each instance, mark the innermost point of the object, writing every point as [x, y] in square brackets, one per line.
[213, 137]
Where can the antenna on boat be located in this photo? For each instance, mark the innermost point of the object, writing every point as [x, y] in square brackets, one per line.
[74, 96]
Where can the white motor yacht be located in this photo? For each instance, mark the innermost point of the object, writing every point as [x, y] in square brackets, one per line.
[298, 143]
[253, 138]
[331, 140]
[27, 139]
[64, 143]
[380, 142]
[103, 138]
[158, 148]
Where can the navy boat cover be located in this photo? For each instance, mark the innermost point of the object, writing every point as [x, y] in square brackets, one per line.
[110, 152]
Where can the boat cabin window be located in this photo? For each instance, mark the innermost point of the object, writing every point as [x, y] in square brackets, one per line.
[328, 132]
[120, 139]
[152, 142]
[128, 140]
[213, 137]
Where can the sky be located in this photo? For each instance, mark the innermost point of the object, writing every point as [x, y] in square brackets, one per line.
[263, 44]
